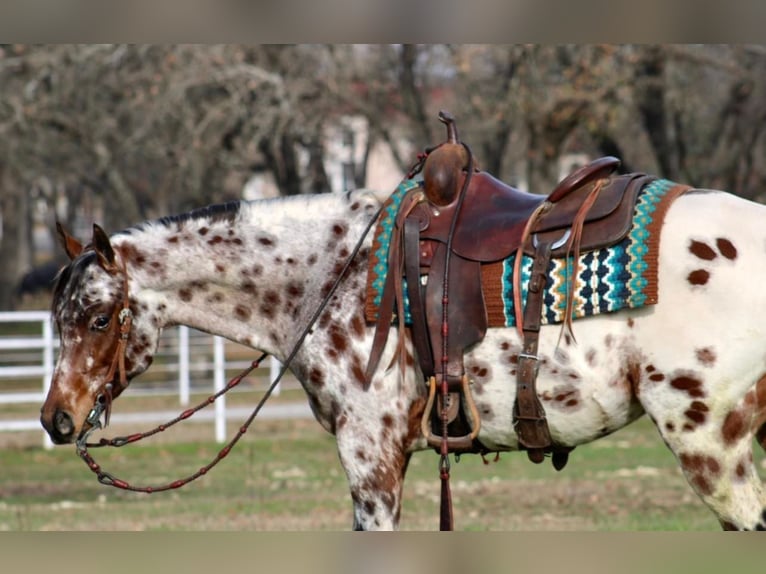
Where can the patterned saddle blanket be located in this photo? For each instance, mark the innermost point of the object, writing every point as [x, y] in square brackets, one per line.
[623, 275]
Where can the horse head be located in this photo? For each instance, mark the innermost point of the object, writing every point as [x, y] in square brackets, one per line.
[106, 338]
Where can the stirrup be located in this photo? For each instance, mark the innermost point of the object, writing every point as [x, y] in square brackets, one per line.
[464, 442]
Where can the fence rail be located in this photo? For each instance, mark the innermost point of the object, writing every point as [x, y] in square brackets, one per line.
[182, 354]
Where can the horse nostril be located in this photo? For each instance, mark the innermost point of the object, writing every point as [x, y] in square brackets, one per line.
[63, 425]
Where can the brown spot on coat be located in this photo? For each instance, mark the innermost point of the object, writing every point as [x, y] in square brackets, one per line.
[702, 250]
[272, 299]
[698, 277]
[357, 371]
[243, 313]
[249, 287]
[706, 356]
[479, 371]
[564, 397]
[697, 412]
[485, 412]
[185, 294]
[734, 427]
[295, 289]
[357, 326]
[338, 338]
[339, 230]
[316, 377]
[726, 248]
[701, 470]
[691, 385]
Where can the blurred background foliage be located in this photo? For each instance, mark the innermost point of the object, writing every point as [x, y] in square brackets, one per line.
[132, 132]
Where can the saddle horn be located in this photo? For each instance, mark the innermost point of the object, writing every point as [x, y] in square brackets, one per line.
[444, 166]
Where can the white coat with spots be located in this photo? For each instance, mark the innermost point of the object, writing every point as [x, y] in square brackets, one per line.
[695, 363]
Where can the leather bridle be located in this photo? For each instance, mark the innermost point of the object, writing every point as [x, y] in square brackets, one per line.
[125, 318]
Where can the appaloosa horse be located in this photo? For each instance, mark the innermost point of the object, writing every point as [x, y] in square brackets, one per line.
[254, 272]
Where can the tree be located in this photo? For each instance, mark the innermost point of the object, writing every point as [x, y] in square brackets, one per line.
[135, 132]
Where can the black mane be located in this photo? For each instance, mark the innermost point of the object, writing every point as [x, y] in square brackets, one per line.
[217, 212]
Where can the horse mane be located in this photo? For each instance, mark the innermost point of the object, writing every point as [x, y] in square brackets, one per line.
[230, 210]
[217, 212]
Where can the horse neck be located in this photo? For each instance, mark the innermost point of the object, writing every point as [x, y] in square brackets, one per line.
[253, 276]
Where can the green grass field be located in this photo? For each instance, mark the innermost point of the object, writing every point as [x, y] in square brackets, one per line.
[285, 475]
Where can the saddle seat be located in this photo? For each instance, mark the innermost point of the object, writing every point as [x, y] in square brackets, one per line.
[494, 215]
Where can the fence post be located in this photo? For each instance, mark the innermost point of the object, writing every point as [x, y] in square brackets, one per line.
[47, 368]
[183, 365]
[218, 381]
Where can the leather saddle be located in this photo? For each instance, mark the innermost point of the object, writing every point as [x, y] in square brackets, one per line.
[460, 219]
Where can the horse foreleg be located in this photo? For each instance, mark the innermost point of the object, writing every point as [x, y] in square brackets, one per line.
[375, 467]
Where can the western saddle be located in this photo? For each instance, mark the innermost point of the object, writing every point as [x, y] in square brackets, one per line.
[459, 219]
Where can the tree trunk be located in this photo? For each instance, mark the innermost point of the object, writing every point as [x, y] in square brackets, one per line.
[413, 96]
[12, 200]
[650, 102]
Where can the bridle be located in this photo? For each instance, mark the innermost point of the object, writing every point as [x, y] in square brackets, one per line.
[103, 400]
[125, 318]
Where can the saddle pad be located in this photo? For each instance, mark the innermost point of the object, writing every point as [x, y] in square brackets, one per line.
[609, 279]
[378, 264]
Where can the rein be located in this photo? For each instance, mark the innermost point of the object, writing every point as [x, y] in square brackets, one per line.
[103, 400]
[446, 519]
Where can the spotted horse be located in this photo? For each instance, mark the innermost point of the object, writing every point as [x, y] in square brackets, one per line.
[254, 272]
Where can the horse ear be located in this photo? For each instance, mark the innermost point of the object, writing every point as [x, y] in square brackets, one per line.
[71, 246]
[103, 248]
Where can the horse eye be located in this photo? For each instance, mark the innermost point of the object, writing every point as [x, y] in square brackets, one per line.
[100, 323]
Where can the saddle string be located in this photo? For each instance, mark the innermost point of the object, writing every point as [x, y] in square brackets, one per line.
[103, 403]
[573, 249]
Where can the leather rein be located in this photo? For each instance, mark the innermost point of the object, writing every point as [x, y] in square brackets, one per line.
[103, 400]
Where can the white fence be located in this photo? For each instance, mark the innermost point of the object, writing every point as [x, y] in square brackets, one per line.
[31, 356]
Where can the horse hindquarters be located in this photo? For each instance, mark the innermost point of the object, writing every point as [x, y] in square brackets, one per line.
[703, 378]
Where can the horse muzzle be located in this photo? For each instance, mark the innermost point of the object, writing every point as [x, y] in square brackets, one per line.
[60, 427]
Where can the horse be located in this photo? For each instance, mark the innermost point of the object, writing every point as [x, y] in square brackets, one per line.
[255, 271]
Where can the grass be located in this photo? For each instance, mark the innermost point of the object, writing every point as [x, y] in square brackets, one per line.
[285, 475]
